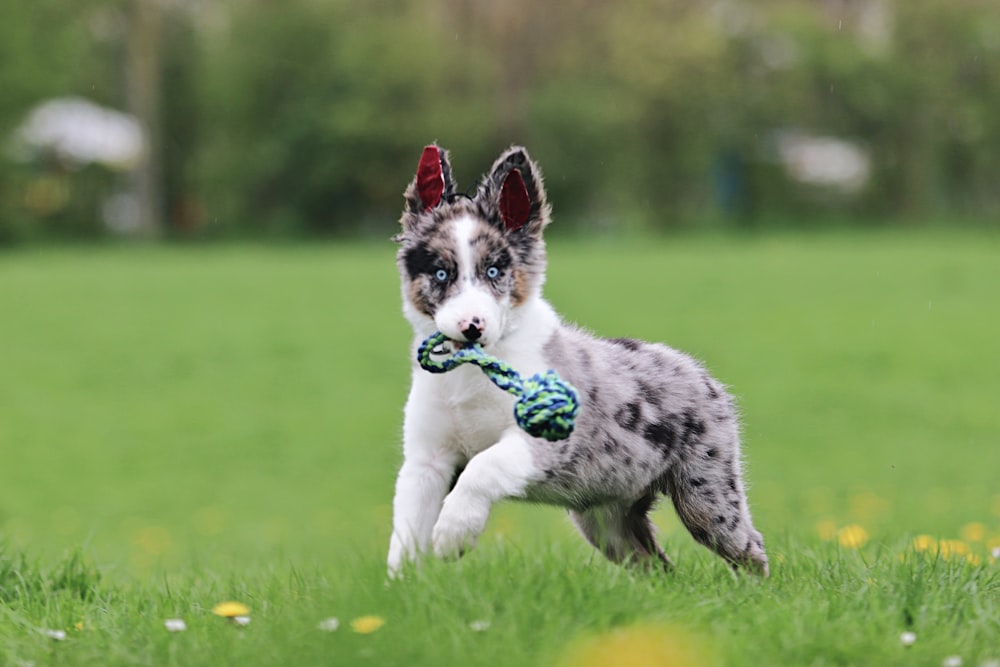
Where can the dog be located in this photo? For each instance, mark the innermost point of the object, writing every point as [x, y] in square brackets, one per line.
[652, 421]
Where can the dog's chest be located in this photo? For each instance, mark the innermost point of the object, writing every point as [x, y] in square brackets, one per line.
[476, 411]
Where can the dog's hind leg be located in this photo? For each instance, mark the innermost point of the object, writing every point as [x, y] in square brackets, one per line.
[623, 533]
[707, 490]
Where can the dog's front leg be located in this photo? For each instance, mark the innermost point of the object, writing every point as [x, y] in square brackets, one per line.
[502, 471]
[420, 489]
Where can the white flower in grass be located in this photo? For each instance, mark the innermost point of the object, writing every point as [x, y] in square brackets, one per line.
[995, 553]
[479, 626]
[175, 625]
[241, 620]
[907, 638]
[58, 635]
[329, 624]
[952, 661]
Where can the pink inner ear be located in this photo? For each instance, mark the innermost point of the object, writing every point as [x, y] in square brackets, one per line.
[430, 178]
[515, 205]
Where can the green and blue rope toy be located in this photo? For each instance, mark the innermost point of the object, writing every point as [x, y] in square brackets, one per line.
[547, 405]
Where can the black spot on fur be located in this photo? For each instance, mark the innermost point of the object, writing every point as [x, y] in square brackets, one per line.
[610, 446]
[720, 519]
[627, 461]
[735, 504]
[627, 416]
[651, 393]
[733, 522]
[593, 394]
[732, 484]
[712, 393]
[699, 534]
[662, 433]
[696, 481]
[628, 343]
[712, 453]
[693, 427]
[420, 260]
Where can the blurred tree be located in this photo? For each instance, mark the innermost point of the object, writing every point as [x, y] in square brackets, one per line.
[307, 116]
[143, 84]
[46, 50]
[315, 112]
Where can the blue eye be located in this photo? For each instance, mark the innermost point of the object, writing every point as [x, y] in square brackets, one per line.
[492, 273]
[441, 275]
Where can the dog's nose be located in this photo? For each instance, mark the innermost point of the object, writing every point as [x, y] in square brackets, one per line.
[472, 333]
[472, 329]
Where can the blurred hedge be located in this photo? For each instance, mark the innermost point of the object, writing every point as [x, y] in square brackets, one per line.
[307, 116]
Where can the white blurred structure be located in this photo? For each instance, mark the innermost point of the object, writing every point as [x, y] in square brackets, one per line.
[823, 161]
[81, 132]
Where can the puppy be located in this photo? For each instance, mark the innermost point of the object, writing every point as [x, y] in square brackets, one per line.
[652, 421]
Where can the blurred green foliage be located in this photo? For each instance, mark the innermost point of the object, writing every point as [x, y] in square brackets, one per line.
[307, 116]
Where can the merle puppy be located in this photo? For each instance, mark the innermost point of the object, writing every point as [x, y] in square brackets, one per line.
[653, 422]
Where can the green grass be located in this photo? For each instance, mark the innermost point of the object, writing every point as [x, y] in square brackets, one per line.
[180, 426]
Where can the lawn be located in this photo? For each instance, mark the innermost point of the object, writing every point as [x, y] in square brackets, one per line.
[185, 425]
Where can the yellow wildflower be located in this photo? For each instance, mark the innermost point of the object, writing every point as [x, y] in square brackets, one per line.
[973, 532]
[640, 646]
[230, 609]
[852, 536]
[925, 543]
[949, 548]
[365, 625]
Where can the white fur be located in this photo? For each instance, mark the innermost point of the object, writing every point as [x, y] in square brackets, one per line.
[473, 301]
[458, 416]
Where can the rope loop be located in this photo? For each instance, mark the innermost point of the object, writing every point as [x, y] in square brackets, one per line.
[547, 405]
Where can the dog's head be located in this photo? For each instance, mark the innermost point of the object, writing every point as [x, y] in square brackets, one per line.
[468, 262]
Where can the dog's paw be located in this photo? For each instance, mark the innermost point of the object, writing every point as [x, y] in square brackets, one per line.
[400, 552]
[455, 533]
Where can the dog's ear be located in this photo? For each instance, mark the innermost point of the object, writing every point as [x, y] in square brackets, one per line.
[515, 192]
[433, 182]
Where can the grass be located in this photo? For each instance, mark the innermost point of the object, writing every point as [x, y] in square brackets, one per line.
[180, 426]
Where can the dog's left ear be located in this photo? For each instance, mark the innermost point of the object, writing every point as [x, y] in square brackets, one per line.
[514, 190]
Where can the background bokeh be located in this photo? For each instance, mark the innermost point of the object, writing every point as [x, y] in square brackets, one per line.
[202, 356]
[305, 117]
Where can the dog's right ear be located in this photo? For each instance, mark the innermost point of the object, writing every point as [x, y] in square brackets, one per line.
[432, 183]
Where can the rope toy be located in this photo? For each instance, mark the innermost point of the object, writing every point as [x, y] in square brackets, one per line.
[546, 405]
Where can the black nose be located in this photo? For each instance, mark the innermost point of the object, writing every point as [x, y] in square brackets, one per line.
[472, 333]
